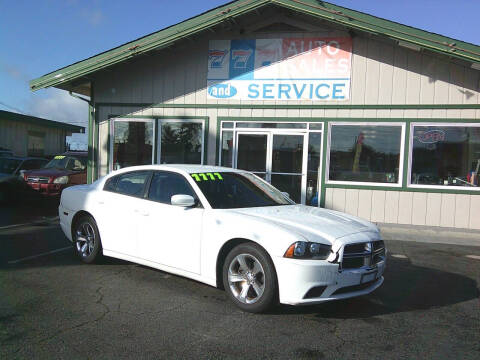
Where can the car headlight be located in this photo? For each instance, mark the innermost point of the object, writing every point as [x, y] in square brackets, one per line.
[308, 250]
[61, 180]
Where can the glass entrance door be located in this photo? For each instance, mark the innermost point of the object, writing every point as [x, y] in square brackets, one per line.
[279, 158]
[287, 173]
[252, 153]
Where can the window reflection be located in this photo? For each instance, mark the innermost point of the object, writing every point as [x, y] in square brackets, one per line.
[181, 143]
[445, 155]
[132, 143]
[365, 153]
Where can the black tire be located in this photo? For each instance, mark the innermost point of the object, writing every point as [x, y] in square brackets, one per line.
[251, 252]
[82, 232]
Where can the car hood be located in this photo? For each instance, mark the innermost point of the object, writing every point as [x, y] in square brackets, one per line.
[6, 177]
[314, 224]
[50, 172]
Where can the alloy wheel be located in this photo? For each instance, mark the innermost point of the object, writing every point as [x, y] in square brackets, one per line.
[246, 278]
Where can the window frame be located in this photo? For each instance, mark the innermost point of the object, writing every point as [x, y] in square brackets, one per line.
[398, 184]
[115, 178]
[147, 190]
[410, 155]
[128, 119]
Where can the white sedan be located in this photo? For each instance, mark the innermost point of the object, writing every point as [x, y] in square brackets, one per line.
[227, 228]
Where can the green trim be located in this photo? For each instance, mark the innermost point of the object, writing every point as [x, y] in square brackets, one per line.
[172, 117]
[319, 9]
[303, 106]
[342, 119]
[11, 116]
[96, 154]
[323, 189]
[90, 168]
[109, 139]
[404, 188]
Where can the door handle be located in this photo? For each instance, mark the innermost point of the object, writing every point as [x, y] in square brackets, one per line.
[143, 213]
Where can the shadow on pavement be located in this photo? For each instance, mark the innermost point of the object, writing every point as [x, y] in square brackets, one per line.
[407, 287]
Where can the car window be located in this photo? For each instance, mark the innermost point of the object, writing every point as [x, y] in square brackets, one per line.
[30, 165]
[229, 190]
[8, 166]
[166, 184]
[132, 183]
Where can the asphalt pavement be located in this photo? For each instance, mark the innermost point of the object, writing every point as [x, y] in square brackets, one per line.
[53, 306]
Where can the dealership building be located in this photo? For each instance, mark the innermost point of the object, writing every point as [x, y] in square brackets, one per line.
[338, 108]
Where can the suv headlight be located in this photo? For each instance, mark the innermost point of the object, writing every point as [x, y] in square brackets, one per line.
[308, 250]
[61, 180]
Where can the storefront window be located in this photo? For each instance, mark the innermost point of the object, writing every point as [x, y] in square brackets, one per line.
[445, 155]
[132, 143]
[181, 143]
[365, 153]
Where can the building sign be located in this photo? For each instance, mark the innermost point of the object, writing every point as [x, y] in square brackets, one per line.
[314, 69]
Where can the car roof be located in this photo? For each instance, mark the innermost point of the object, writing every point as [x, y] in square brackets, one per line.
[190, 169]
[75, 153]
[23, 158]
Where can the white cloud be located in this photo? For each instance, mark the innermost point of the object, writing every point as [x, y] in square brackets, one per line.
[58, 105]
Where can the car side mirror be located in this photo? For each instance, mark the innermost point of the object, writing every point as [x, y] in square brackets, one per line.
[287, 195]
[182, 200]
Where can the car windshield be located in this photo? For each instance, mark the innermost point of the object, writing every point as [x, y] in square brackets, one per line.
[8, 166]
[67, 162]
[228, 190]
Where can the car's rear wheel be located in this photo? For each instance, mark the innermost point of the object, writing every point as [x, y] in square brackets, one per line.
[249, 278]
[87, 241]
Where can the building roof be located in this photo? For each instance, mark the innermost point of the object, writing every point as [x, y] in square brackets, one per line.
[8, 115]
[71, 77]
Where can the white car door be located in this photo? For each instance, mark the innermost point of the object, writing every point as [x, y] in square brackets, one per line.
[118, 211]
[170, 235]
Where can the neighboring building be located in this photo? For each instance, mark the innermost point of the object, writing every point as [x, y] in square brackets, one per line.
[33, 136]
[335, 107]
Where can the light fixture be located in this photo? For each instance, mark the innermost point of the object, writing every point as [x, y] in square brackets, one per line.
[476, 66]
[409, 45]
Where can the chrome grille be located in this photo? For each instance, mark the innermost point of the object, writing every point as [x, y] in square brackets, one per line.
[38, 179]
[363, 255]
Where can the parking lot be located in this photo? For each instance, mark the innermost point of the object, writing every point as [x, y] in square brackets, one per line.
[52, 306]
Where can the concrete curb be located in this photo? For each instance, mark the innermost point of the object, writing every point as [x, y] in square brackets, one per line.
[47, 221]
[427, 234]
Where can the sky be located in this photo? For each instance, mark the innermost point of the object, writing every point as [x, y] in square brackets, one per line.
[40, 36]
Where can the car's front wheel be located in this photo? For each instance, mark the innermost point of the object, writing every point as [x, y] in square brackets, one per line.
[249, 278]
[87, 240]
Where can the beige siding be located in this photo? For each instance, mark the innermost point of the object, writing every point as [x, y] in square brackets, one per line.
[409, 208]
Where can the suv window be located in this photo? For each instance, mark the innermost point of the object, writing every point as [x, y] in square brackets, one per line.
[132, 183]
[166, 184]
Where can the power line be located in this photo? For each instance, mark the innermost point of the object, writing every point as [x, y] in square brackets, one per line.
[13, 108]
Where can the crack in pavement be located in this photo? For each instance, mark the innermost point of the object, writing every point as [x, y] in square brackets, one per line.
[99, 301]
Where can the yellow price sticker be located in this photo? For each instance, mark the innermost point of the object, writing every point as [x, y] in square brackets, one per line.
[206, 176]
[59, 157]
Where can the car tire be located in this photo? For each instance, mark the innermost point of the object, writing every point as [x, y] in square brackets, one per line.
[86, 240]
[249, 278]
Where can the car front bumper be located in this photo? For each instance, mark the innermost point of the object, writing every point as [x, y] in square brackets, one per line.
[303, 282]
[49, 189]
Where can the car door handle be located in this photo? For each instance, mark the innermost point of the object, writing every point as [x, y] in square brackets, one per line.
[142, 212]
